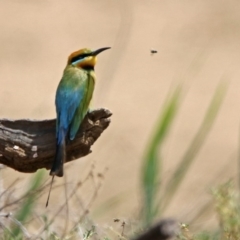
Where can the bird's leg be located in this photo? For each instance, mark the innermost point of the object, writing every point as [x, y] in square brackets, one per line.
[90, 120]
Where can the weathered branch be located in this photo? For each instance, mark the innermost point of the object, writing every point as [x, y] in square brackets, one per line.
[27, 145]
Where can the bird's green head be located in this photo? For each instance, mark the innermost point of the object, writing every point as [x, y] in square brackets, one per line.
[84, 57]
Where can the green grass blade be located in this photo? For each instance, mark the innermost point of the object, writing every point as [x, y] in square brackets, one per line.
[195, 145]
[151, 171]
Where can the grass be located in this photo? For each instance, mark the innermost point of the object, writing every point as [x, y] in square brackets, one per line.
[227, 207]
[155, 199]
[152, 165]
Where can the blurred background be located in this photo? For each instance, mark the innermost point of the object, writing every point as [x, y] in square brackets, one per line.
[197, 45]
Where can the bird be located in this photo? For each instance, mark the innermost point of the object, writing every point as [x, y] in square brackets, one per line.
[153, 51]
[73, 96]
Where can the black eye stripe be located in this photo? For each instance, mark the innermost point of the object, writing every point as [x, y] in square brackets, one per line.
[74, 59]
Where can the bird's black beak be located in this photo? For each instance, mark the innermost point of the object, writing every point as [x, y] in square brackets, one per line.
[96, 52]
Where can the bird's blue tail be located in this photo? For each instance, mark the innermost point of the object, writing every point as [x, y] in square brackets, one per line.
[60, 156]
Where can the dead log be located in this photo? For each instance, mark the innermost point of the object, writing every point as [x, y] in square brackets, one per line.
[28, 145]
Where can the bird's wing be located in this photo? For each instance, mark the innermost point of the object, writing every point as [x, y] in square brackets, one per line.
[68, 98]
[82, 109]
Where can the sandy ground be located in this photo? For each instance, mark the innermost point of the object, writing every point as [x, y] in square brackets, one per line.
[198, 46]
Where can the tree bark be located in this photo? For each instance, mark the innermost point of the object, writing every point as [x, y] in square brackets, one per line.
[28, 145]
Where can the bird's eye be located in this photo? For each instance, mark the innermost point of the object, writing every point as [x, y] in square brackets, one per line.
[76, 58]
[79, 57]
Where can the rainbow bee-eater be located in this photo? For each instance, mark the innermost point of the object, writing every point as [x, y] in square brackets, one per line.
[73, 97]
